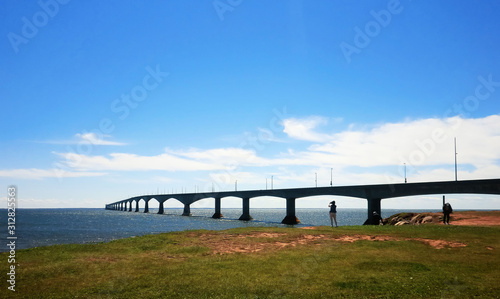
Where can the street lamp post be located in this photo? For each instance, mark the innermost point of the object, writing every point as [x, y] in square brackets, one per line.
[405, 174]
[456, 159]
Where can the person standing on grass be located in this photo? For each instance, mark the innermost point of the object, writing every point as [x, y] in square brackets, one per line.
[333, 213]
[447, 210]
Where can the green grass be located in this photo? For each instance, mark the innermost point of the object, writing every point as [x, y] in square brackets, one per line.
[184, 265]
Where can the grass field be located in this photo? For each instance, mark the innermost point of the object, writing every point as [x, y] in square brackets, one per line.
[356, 261]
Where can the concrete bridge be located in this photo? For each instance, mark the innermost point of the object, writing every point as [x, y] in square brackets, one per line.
[372, 193]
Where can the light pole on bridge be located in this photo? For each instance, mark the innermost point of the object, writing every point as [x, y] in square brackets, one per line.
[405, 174]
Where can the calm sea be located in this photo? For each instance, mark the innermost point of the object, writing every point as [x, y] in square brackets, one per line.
[42, 227]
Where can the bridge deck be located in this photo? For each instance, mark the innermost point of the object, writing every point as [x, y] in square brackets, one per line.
[373, 193]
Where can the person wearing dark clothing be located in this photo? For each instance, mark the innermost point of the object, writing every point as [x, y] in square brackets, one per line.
[377, 219]
[333, 213]
[447, 210]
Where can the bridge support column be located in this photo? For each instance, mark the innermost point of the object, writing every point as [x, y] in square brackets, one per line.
[217, 213]
[160, 209]
[290, 217]
[121, 206]
[373, 206]
[146, 206]
[130, 205]
[137, 206]
[187, 210]
[246, 210]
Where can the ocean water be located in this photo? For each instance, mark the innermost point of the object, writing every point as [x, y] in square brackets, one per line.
[42, 227]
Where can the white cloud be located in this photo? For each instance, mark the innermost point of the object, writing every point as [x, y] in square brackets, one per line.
[132, 162]
[172, 160]
[424, 142]
[303, 129]
[426, 145]
[96, 140]
[37, 174]
[87, 138]
[417, 142]
[48, 203]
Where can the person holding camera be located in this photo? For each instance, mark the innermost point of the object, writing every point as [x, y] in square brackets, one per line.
[333, 213]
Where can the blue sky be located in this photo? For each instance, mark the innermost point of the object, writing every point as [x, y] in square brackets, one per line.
[107, 100]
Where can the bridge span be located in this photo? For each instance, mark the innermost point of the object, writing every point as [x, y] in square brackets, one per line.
[372, 193]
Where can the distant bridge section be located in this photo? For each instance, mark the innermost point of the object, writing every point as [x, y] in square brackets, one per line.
[372, 193]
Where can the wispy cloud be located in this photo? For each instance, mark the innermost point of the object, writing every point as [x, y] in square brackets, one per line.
[304, 129]
[37, 174]
[422, 142]
[87, 138]
[414, 142]
[96, 140]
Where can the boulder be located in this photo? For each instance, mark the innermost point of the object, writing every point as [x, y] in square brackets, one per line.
[427, 219]
[415, 219]
[394, 220]
[402, 222]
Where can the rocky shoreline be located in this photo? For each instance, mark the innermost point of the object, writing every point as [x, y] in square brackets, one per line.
[413, 219]
[483, 218]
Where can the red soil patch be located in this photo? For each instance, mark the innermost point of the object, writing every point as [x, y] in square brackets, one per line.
[481, 218]
[236, 243]
[439, 244]
[310, 227]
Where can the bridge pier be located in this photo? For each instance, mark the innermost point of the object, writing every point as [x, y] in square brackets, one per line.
[187, 210]
[217, 213]
[246, 210]
[373, 206]
[121, 206]
[160, 209]
[137, 205]
[290, 217]
[146, 206]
